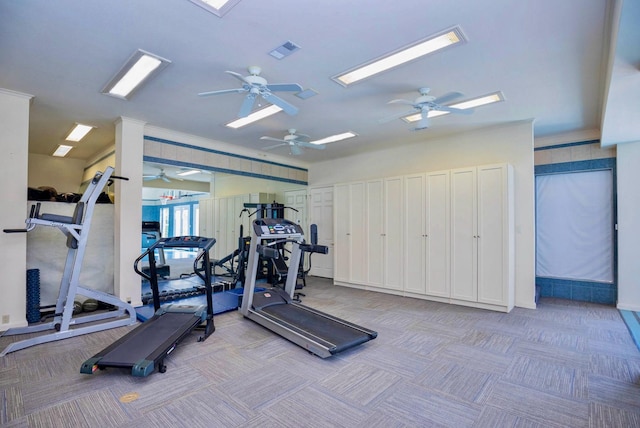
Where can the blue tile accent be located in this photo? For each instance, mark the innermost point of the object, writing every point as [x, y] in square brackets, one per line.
[225, 170]
[583, 291]
[562, 291]
[190, 146]
[586, 165]
[605, 296]
[560, 146]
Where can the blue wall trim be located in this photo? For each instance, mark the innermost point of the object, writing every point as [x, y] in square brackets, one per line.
[583, 291]
[226, 170]
[175, 143]
[586, 165]
[561, 146]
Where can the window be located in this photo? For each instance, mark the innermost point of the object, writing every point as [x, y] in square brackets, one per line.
[575, 236]
[196, 219]
[164, 221]
[181, 220]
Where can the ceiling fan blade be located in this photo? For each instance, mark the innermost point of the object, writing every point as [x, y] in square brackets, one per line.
[405, 102]
[247, 105]
[288, 108]
[149, 177]
[272, 139]
[454, 110]
[396, 116]
[284, 87]
[238, 76]
[223, 91]
[165, 178]
[274, 146]
[310, 145]
[295, 150]
[447, 97]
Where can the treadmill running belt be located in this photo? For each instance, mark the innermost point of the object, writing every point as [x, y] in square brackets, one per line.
[340, 335]
[152, 336]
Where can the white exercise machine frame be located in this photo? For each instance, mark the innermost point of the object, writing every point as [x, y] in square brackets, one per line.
[76, 229]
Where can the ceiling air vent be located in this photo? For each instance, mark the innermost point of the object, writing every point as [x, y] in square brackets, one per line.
[284, 50]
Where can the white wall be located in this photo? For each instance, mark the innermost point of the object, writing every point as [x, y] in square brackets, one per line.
[230, 185]
[511, 143]
[628, 177]
[63, 174]
[14, 140]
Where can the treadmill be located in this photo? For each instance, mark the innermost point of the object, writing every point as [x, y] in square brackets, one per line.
[144, 349]
[274, 308]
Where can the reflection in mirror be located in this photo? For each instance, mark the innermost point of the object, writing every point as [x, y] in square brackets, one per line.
[205, 203]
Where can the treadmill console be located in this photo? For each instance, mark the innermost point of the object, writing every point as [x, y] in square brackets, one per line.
[276, 227]
[185, 242]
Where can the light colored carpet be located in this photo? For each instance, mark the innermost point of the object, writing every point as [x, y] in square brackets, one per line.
[565, 364]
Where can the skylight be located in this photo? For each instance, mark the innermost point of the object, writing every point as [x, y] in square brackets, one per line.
[138, 69]
[62, 150]
[78, 132]
[472, 103]
[255, 116]
[406, 54]
[217, 7]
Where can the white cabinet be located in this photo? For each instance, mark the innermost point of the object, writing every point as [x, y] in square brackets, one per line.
[426, 237]
[482, 235]
[350, 237]
[445, 235]
[384, 232]
[375, 233]
[392, 233]
[368, 233]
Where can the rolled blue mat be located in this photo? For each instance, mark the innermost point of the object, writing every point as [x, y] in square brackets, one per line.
[33, 295]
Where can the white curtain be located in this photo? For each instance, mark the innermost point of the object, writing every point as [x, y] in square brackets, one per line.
[574, 225]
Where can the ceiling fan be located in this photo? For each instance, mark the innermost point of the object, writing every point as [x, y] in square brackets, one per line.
[256, 85]
[294, 141]
[160, 176]
[426, 103]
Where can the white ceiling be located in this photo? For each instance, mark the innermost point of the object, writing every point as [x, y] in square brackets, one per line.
[549, 58]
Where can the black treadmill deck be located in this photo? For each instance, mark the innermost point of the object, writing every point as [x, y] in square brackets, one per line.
[144, 348]
[306, 326]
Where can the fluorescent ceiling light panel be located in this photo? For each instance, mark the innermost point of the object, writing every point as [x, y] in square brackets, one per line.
[409, 53]
[472, 103]
[255, 116]
[78, 132]
[62, 150]
[138, 69]
[217, 7]
[188, 172]
[334, 138]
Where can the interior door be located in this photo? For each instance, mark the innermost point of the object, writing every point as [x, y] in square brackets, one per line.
[321, 214]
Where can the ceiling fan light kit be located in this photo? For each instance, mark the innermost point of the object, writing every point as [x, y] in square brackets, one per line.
[257, 86]
[296, 142]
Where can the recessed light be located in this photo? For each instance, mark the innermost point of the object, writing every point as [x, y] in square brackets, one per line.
[217, 7]
[408, 53]
[472, 103]
[255, 116]
[334, 138]
[138, 69]
[78, 132]
[62, 150]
